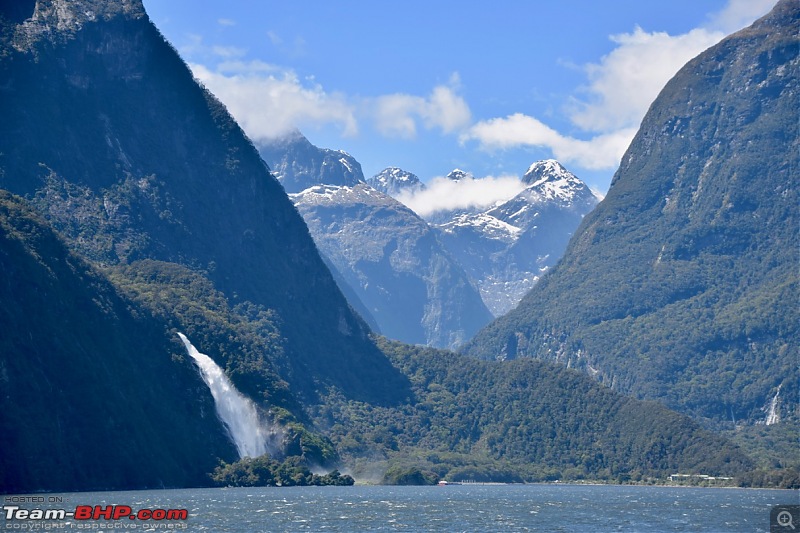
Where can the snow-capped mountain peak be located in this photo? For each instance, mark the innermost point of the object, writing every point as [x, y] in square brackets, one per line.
[393, 180]
[506, 248]
[392, 265]
[545, 169]
[549, 182]
[457, 175]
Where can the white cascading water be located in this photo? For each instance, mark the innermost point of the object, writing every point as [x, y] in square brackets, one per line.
[236, 411]
[773, 415]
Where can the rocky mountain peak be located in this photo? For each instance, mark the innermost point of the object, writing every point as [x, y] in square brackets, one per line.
[54, 19]
[393, 180]
[549, 182]
[298, 164]
[547, 169]
[506, 248]
[458, 175]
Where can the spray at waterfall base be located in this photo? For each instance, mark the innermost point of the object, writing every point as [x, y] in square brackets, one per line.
[252, 436]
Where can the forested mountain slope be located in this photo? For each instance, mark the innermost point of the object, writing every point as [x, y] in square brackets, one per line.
[108, 135]
[94, 393]
[682, 285]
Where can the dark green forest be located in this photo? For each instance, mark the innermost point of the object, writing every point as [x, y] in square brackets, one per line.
[520, 420]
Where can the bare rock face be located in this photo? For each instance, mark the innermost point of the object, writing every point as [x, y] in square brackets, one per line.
[298, 164]
[58, 20]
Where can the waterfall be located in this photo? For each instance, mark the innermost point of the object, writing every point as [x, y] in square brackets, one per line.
[237, 412]
[773, 416]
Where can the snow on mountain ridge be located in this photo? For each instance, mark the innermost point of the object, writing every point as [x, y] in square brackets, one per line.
[394, 180]
[490, 226]
[298, 164]
[326, 194]
[563, 190]
[546, 168]
[550, 182]
[345, 163]
[457, 175]
[506, 248]
[391, 260]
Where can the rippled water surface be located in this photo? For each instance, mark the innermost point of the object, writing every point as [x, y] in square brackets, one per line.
[472, 508]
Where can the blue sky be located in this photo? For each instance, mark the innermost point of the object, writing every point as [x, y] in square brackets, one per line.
[488, 87]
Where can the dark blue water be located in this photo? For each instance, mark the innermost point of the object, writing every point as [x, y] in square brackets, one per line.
[471, 508]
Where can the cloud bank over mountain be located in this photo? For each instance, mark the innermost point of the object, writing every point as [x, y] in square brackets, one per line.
[443, 194]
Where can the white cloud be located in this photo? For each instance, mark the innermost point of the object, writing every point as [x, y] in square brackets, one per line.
[446, 110]
[269, 102]
[226, 22]
[620, 88]
[603, 151]
[394, 115]
[739, 13]
[397, 115]
[627, 80]
[443, 194]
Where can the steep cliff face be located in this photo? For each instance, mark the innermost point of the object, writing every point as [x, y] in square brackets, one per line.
[395, 264]
[678, 286]
[105, 131]
[94, 393]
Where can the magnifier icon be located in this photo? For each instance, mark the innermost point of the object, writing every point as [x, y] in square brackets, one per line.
[784, 519]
